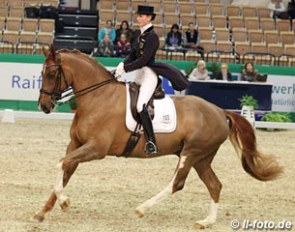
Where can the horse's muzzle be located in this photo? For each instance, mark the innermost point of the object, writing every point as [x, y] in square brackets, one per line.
[47, 107]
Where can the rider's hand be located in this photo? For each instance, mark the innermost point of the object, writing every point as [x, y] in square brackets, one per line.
[120, 70]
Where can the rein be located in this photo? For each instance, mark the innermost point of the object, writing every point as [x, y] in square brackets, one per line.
[56, 94]
[84, 91]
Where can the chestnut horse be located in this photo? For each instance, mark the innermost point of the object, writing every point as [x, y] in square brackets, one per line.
[98, 129]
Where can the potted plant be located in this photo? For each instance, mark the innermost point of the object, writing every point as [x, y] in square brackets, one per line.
[214, 68]
[248, 104]
[248, 101]
[73, 104]
[276, 117]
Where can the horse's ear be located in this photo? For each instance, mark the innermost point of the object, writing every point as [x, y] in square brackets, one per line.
[45, 51]
[53, 51]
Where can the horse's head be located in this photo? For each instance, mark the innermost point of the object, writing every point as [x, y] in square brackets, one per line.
[53, 80]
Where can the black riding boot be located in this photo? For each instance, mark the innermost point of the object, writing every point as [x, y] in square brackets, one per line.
[150, 146]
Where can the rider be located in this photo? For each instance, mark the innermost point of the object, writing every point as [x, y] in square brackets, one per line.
[142, 59]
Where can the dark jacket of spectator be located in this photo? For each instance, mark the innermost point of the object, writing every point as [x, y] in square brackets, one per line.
[191, 36]
[220, 76]
[174, 37]
[223, 73]
[291, 9]
[249, 73]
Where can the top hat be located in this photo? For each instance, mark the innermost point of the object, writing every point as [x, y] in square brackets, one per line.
[146, 10]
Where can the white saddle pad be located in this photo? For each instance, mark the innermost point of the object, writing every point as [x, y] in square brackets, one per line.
[165, 115]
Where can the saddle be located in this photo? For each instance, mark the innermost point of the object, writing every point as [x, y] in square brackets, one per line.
[134, 93]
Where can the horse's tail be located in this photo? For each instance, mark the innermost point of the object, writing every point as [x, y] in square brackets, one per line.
[242, 137]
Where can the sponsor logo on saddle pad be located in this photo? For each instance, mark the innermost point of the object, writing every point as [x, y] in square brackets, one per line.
[165, 115]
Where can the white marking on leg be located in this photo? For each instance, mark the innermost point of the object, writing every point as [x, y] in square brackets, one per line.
[213, 211]
[58, 188]
[211, 218]
[157, 198]
[162, 195]
[182, 161]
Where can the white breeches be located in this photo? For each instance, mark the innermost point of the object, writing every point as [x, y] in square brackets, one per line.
[147, 79]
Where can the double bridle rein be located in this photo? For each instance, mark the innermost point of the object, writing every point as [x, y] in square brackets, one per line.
[57, 94]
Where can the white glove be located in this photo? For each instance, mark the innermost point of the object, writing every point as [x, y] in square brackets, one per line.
[120, 70]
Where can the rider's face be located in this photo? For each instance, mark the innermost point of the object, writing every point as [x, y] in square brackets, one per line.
[143, 20]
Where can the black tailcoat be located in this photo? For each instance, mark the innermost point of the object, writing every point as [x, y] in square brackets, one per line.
[143, 54]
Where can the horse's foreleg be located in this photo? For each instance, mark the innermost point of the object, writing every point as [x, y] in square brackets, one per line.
[82, 154]
[214, 186]
[66, 175]
[176, 184]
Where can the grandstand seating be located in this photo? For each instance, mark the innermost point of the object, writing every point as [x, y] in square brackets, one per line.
[255, 35]
[223, 29]
[219, 21]
[20, 34]
[220, 27]
[216, 9]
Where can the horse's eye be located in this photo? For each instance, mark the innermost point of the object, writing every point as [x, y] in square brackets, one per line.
[50, 75]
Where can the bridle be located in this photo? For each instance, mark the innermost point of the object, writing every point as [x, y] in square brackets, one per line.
[57, 94]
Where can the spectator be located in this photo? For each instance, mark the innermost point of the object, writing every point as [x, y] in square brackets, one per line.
[277, 8]
[174, 37]
[224, 73]
[124, 28]
[191, 37]
[200, 72]
[106, 47]
[108, 29]
[123, 46]
[249, 73]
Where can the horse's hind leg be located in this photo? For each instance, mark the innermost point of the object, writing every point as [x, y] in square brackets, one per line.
[176, 184]
[213, 185]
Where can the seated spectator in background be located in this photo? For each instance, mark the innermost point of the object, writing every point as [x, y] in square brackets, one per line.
[200, 72]
[123, 48]
[278, 9]
[108, 29]
[174, 37]
[191, 37]
[249, 73]
[106, 47]
[224, 73]
[124, 28]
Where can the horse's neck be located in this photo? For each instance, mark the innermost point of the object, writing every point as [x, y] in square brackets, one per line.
[85, 75]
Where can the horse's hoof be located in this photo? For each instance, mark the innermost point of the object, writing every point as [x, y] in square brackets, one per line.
[203, 224]
[65, 205]
[38, 217]
[200, 226]
[139, 213]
